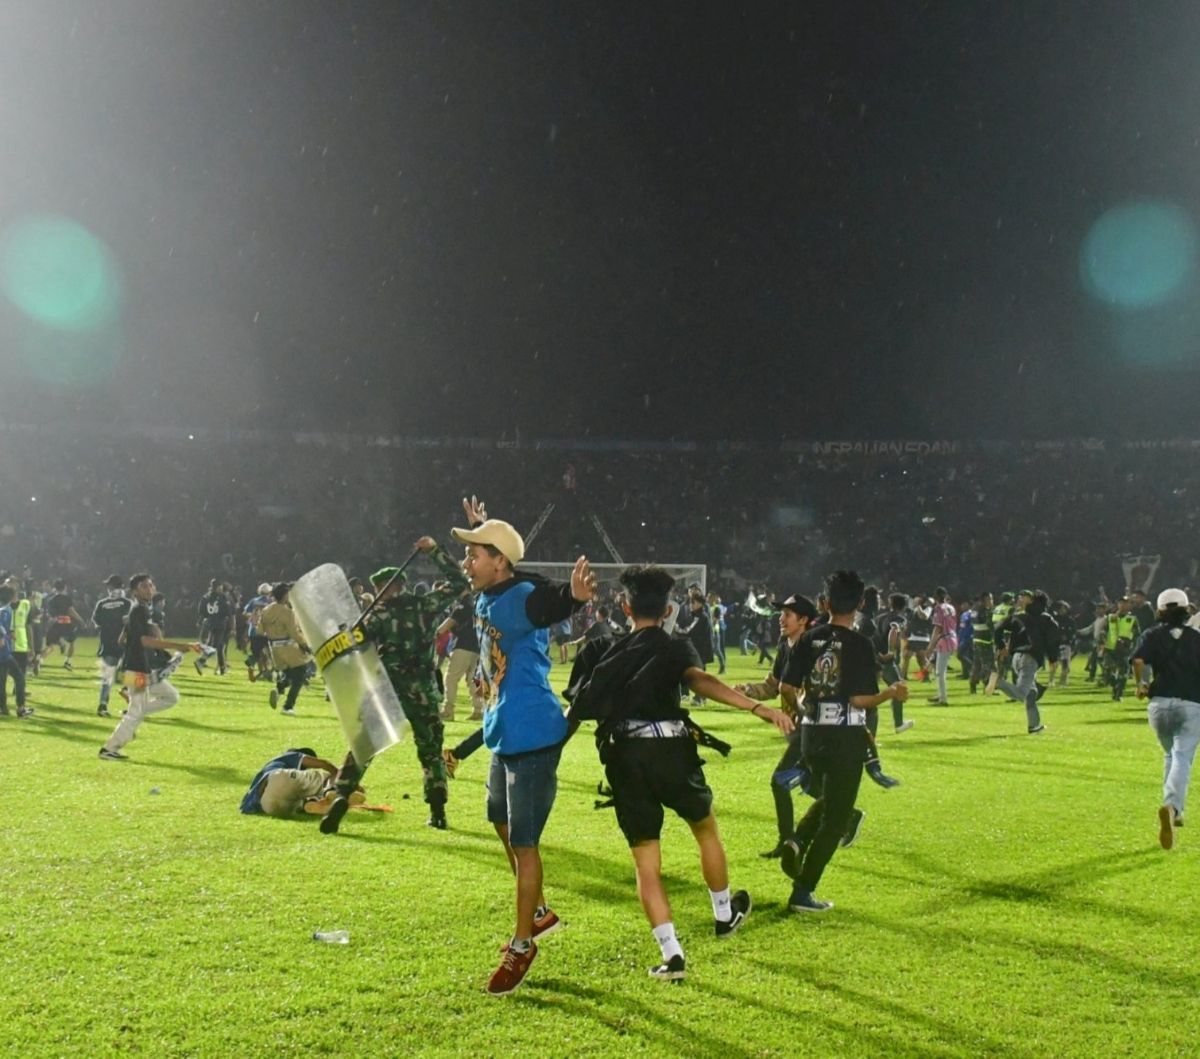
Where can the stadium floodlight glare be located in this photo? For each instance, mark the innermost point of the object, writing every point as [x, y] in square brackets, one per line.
[1139, 254]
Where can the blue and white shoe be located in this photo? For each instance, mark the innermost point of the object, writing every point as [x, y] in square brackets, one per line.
[804, 901]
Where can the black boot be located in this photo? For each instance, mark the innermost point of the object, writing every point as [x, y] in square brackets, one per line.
[333, 815]
[437, 810]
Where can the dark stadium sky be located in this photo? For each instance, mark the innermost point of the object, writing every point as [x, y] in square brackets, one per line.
[635, 219]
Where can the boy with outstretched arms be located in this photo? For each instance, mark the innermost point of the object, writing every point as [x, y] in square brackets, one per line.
[523, 725]
[647, 744]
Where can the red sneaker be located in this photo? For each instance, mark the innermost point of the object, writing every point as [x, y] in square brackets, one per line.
[542, 925]
[547, 924]
[511, 972]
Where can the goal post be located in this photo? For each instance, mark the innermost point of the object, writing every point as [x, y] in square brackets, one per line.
[608, 574]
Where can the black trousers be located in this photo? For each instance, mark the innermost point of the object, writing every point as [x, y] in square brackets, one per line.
[11, 667]
[293, 680]
[785, 818]
[834, 756]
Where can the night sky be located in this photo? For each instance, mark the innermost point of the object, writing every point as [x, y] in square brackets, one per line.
[616, 219]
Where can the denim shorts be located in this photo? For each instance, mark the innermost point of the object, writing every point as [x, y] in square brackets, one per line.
[520, 793]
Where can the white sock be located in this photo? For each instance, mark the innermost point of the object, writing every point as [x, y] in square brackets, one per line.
[720, 903]
[665, 936]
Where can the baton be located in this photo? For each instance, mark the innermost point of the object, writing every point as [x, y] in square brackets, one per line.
[378, 595]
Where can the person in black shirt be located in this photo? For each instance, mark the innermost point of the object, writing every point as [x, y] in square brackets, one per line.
[463, 661]
[108, 617]
[796, 613]
[1172, 647]
[698, 629]
[889, 632]
[215, 614]
[1066, 643]
[644, 736]
[149, 692]
[836, 666]
[1028, 638]
[63, 622]
[1141, 609]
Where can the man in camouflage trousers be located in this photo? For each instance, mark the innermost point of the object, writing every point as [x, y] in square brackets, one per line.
[403, 627]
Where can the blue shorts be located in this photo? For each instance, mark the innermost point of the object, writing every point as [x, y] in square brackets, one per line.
[520, 793]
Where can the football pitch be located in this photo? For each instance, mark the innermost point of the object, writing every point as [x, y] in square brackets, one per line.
[1009, 899]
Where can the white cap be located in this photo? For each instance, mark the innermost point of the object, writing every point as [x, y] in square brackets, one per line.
[500, 535]
[1169, 596]
[264, 589]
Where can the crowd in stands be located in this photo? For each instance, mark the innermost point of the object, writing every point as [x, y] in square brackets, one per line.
[83, 503]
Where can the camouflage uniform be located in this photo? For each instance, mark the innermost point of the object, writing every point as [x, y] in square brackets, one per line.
[403, 630]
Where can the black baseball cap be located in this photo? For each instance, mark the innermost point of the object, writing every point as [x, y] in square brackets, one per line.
[798, 604]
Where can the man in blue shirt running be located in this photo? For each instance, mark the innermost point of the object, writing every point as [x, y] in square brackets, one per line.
[523, 723]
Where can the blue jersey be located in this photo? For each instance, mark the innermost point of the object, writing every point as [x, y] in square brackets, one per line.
[291, 759]
[257, 603]
[6, 633]
[523, 712]
[966, 629]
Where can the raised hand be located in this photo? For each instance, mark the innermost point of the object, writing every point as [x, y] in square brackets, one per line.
[583, 581]
[475, 510]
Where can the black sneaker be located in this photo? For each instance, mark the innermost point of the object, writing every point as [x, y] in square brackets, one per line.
[333, 815]
[857, 816]
[67, 665]
[674, 970]
[112, 755]
[739, 910]
[273, 698]
[102, 711]
[791, 858]
[806, 901]
[437, 819]
[877, 776]
[24, 711]
[775, 853]
[1037, 728]
[1041, 690]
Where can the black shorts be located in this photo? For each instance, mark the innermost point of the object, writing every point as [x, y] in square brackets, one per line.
[648, 775]
[60, 632]
[258, 644]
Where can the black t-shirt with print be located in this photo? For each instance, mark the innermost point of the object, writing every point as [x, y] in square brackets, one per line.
[137, 656]
[832, 664]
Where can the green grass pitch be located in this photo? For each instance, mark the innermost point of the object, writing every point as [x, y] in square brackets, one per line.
[1009, 899]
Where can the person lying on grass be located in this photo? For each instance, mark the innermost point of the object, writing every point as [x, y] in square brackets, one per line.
[295, 782]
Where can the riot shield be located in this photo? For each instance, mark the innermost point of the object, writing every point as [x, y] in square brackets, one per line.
[371, 716]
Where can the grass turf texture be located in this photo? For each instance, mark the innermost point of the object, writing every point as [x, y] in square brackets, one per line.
[1009, 899]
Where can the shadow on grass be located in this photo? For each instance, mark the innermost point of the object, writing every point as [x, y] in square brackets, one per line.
[1135, 718]
[954, 1038]
[184, 722]
[216, 773]
[683, 1037]
[966, 740]
[1049, 888]
[599, 878]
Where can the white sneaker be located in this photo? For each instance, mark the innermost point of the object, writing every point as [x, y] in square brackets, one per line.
[904, 727]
